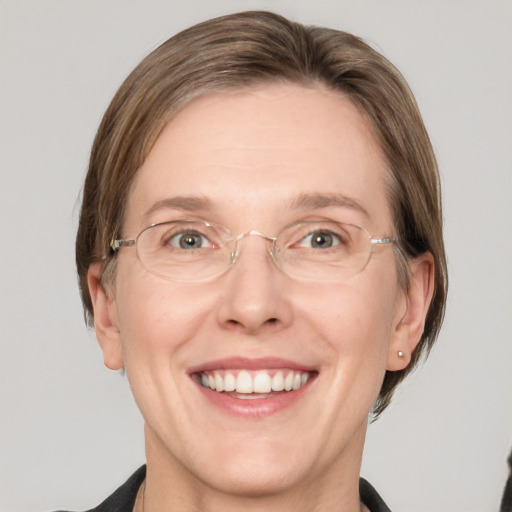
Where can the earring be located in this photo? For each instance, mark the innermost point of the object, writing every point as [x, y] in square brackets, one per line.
[401, 355]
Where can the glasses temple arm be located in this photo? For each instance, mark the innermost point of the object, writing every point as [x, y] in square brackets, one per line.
[383, 240]
[117, 244]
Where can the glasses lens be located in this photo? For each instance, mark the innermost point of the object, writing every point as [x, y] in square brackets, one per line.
[323, 250]
[185, 250]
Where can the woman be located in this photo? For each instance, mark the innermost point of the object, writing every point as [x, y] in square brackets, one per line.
[260, 248]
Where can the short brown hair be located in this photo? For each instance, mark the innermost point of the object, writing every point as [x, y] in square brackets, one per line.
[247, 49]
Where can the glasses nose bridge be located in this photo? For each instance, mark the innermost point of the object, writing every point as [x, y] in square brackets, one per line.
[256, 233]
[269, 239]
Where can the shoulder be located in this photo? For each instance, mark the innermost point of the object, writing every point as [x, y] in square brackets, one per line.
[123, 499]
[371, 498]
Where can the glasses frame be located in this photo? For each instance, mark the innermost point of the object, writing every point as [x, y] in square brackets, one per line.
[118, 243]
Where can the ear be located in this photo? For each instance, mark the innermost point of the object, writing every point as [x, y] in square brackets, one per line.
[105, 318]
[412, 309]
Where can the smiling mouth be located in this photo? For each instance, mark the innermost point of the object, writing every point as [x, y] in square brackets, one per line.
[244, 384]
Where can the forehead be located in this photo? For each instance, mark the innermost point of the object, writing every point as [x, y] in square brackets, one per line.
[262, 149]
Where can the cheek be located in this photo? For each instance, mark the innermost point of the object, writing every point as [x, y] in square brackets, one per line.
[353, 323]
[352, 314]
[156, 317]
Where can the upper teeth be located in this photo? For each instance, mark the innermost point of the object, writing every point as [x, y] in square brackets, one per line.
[260, 381]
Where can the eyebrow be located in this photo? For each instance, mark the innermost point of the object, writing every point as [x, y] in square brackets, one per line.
[316, 201]
[185, 203]
[309, 201]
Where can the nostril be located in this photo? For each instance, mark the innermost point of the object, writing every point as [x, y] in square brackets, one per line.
[237, 326]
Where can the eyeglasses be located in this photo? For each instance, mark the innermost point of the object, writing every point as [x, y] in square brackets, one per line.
[197, 250]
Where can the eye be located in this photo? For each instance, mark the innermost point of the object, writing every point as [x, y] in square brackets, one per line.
[320, 239]
[189, 240]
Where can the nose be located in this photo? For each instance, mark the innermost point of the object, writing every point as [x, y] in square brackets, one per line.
[254, 295]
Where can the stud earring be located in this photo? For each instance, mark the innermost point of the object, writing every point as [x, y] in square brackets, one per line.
[401, 355]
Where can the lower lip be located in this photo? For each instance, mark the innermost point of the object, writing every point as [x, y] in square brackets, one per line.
[254, 407]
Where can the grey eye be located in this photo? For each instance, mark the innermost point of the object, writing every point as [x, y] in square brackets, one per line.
[189, 240]
[320, 240]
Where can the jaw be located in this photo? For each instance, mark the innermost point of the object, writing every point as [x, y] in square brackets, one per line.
[269, 472]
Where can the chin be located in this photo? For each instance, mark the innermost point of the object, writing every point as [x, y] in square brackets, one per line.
[252, 467]
[254, 479]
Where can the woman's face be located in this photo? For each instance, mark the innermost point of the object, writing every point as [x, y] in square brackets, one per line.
[258, 159]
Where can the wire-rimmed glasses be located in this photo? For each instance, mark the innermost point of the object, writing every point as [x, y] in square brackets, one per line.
[198, 250]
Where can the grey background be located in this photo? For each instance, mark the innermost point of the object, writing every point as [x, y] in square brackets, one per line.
[70, 432]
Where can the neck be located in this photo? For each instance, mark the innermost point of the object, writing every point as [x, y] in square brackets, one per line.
[171, 487]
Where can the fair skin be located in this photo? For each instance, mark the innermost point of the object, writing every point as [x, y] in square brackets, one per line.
[252, 154]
